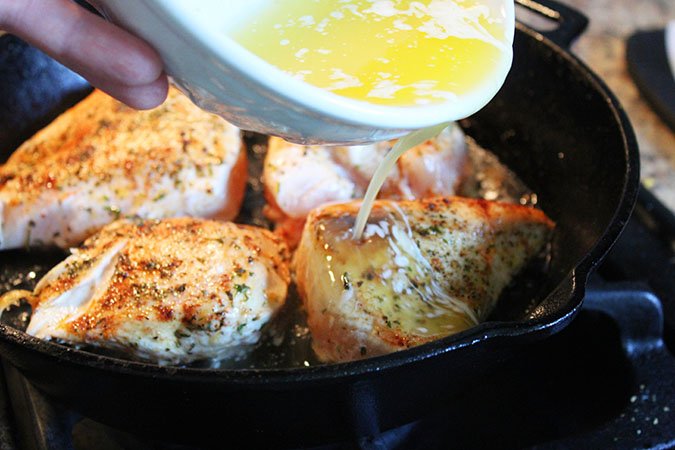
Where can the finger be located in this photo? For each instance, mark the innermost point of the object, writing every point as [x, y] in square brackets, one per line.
[82, 41]
[147, 96]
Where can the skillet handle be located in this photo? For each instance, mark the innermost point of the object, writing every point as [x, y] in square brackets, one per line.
[648, 392]
[635, 309]
[571, 23]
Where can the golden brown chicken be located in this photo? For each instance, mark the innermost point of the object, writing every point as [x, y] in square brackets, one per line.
[171, 291]
[101, 160]
[423, 270]
[300, 178]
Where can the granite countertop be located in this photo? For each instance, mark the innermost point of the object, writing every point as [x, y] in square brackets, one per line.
[603, 48]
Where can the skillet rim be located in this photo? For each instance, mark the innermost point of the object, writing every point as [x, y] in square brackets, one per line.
[572, 287]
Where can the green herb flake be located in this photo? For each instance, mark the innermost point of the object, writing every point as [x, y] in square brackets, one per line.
[241, 288]
[113, 211]
[387, 321]
[181, 334]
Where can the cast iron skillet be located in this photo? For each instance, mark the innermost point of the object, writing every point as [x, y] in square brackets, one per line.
[554, 123]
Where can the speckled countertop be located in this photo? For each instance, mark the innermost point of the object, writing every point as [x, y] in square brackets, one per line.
[603, 48]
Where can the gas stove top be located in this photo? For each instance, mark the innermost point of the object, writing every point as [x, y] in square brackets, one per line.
[607, 381]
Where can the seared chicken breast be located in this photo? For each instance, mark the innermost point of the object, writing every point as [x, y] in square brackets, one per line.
[171, 291]
[299, 178]
[101, 160]
[423, 270]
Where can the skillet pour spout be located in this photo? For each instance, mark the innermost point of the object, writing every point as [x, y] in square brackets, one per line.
[554, 123]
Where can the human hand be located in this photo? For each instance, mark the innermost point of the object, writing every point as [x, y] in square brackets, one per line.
[110, 58]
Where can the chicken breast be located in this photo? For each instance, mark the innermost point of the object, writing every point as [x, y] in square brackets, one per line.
[171, 291]
[423, 270]
[298, 178]
[102, 160]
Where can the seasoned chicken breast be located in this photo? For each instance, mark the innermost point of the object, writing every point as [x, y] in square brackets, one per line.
[298, 178]
[423, 270]
[170, 291]
[102, 160]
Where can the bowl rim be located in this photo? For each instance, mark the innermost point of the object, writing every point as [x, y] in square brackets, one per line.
[218, 46]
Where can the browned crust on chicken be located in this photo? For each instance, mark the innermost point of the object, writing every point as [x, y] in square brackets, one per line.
[102, 160]
[236, 187]
[387, 287]
[171, 290]
[160, 251]
[85, 142]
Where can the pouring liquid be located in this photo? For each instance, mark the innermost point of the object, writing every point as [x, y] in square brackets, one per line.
[386, 166]
[386, 52]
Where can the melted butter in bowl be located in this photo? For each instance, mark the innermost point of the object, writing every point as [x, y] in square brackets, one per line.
[386, 52]
[339, 72]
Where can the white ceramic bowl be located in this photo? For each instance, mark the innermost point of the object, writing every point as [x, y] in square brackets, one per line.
[223, 77]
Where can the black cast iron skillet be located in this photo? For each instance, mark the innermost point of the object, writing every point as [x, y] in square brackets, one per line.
[554, 123]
